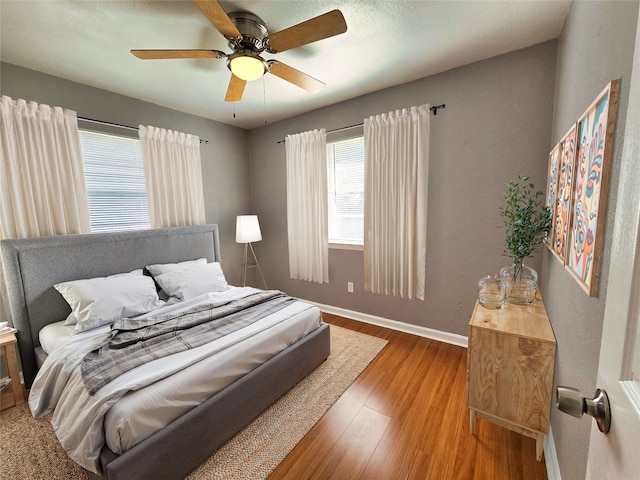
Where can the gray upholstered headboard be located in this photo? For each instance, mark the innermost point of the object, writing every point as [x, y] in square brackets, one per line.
[33, 265]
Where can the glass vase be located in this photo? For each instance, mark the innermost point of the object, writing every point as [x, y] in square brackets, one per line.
[520, 283]
[491, 291]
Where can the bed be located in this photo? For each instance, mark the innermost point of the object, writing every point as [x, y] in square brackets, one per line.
[33, 266]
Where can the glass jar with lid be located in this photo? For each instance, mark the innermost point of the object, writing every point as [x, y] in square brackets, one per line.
[491, 291]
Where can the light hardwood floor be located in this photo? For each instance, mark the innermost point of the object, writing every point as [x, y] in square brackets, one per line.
[405, 417]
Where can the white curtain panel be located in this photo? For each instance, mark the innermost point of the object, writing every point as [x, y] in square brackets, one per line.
[307, 206]
[42, 187]
[173, 177]
[395, 193]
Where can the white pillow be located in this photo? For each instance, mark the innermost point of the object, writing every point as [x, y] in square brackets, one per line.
[160, 268]
[50, 334]
[185, 284]
[72, 319]
[99, 301]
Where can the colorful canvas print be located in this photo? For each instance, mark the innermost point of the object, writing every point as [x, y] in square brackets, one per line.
[561, 209]
[591, 187]
[552, 185]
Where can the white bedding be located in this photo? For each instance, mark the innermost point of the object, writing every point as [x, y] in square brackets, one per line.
[172, 384]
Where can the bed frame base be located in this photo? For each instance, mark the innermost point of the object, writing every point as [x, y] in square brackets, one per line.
[219, 418]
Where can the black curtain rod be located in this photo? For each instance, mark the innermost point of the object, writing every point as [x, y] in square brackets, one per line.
[110, 124]
[433, 109]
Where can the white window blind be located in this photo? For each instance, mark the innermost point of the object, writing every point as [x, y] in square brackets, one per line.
[114, 175]
[345, 181]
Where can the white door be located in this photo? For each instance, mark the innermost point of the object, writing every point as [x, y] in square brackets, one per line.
[616, 455]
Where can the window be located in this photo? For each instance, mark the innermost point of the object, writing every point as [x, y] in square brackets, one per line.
[345, 182]
[114, 175]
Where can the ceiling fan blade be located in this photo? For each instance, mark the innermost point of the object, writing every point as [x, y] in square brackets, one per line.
[168, 54]
[218, 17]
[235, 89]
[324, 26]
[294, 76]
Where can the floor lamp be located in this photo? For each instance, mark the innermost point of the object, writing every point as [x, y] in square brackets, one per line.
[247, 232]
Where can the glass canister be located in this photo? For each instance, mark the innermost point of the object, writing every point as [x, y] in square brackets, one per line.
[491, 291]
[521, 284]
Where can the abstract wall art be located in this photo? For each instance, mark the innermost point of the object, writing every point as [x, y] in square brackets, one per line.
[594, 132]
[552, 186]
[561, 209]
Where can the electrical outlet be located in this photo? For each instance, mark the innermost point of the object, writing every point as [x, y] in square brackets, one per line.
[350, 287]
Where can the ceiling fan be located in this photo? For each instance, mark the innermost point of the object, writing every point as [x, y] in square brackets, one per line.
[248, 37]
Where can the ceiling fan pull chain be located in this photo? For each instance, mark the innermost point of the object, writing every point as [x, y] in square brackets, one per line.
[233, 102]
[264, 97]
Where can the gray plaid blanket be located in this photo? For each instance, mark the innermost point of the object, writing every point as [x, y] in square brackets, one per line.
[136, 341]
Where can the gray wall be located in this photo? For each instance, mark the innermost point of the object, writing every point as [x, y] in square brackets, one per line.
[595, 47]
[225, 160]
[496, 126]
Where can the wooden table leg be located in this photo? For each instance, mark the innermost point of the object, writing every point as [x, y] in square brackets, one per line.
[472, 419]
[14, 373]
[539, 447]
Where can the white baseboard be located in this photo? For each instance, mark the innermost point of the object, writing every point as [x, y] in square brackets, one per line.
[551, 457]
[438, 335]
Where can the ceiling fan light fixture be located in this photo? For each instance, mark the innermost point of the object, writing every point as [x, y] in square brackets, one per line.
[247, 67]
[248, 37]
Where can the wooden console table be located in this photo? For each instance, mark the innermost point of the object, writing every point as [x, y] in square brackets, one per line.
[14, 394]
[510, 364]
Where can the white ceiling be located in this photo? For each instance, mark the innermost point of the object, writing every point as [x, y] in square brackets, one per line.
[387, 43]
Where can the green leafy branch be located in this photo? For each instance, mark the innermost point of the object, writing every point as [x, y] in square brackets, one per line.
[527, 220]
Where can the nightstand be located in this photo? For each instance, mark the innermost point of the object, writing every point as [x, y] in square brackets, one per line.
[14, 394]
[510, 363]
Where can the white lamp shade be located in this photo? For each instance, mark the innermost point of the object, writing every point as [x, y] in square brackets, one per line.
[247, 229]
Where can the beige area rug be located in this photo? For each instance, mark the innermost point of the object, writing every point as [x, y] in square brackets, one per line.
[29, 448]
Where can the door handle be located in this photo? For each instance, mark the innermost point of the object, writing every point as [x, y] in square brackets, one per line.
[571, 402]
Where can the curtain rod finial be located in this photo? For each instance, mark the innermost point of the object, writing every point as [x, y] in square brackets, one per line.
[435, 108]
